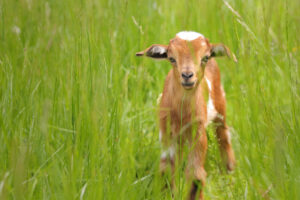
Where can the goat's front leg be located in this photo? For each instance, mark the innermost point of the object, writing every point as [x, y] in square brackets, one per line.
[195, 170]
[168, 151]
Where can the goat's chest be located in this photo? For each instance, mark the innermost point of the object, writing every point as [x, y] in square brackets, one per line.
[187, 113]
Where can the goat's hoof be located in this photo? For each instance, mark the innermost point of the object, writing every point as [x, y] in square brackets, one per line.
[230, 166]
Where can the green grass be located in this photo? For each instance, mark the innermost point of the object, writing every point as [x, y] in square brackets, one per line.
[78, 112]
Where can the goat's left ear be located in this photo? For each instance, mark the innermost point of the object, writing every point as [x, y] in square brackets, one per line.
[156, 51]
[221, 50]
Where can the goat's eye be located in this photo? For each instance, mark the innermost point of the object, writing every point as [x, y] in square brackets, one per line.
[204, 59]
[172, 60]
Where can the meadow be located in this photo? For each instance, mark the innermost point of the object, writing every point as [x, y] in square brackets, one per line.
[78, 110]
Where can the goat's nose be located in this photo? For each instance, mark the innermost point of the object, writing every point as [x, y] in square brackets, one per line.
[187, 75]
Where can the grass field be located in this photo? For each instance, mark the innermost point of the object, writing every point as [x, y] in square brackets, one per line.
[78, 111]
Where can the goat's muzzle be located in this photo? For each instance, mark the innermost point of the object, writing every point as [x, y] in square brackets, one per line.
[187, 81]
[188, 85]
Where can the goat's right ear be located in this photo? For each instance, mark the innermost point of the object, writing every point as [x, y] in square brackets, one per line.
[221, 50]
[156, 51]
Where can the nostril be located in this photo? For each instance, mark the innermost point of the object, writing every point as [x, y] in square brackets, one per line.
[191, 75]
[187, 75]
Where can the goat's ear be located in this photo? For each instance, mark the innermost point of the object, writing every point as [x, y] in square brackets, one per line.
[221, 50]
[156, 51]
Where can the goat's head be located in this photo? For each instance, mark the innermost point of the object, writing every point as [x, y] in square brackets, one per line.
[188, 52]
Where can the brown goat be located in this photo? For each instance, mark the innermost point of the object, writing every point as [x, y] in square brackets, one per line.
[192, 98]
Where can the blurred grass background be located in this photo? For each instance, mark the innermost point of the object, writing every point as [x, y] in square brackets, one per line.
[78, 109]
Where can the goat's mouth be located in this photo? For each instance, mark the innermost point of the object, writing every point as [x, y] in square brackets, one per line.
[188, 85]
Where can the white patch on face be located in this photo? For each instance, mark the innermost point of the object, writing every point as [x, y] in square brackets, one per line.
[203, 43]
[189, 35]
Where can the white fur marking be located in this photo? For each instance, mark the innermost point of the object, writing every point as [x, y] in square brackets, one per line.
[208, 84]
[170, 152]
[189, 35]
[211, 111]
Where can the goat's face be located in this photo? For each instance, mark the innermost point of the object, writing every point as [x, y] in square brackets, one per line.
[188, 59]
[188, 52]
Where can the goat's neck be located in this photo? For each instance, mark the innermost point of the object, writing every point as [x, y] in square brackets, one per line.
[182, 97]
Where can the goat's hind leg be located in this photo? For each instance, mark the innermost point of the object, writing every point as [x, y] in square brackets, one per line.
[222, 130]
[224, 140]
[227, 154]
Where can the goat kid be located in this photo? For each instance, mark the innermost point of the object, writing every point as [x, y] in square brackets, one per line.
[183, 105]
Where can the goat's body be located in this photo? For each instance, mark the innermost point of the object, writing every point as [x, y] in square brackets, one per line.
[201, 105]
[192, 98]
[183, 111]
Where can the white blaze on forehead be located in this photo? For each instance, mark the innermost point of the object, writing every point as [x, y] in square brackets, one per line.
[189, 35]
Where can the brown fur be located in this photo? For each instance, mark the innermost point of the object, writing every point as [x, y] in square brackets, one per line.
[184, 108]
